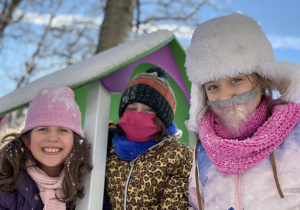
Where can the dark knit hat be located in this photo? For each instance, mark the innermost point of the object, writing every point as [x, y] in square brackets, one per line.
[152, 89]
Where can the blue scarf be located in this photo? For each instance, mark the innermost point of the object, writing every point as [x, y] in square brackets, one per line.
[129, 150]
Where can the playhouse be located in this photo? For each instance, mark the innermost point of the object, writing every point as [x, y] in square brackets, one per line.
[98, 83]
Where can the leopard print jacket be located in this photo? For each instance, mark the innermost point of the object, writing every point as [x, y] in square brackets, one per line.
[159, 179]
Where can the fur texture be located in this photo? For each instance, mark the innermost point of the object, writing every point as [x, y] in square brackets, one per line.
[230, 45]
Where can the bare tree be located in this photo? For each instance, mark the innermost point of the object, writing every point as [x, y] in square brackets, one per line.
[117, 23]
[50, 42]
[39, 37]
[122, 17]
[8, 7]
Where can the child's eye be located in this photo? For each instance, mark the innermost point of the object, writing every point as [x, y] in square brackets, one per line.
[212, 87]
[63, 130]
[236, 80]
[149, 110]
[43, 129]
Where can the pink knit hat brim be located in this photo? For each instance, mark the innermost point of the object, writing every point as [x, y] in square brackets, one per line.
[54, 107]
[53, 118]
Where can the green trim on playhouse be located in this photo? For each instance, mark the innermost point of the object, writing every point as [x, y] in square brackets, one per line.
[81, 100]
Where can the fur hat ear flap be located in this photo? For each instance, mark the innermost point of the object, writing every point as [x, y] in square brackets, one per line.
[289, 83]
[196, 110]
[285, 76]
[284, 85]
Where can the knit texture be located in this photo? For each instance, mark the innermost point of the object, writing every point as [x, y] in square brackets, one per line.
[246, 128]
[231, 156]
[152, 89]
[129, 150]
[49, 187]
[54, 106]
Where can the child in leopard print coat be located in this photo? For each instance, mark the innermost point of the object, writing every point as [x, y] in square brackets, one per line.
[147, 168]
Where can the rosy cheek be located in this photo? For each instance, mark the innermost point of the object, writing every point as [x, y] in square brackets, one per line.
[33, 144]
[211, 97]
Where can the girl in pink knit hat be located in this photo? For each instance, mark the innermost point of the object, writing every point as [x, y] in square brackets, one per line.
[247, 156]
[40, 168]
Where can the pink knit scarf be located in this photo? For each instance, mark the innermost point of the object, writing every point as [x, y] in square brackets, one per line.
[231, 156]
[49, 187]
[246, 128]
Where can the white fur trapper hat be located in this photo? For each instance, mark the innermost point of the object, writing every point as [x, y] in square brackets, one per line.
[230, 45]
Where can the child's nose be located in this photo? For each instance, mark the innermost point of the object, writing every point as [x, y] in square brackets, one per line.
[139, 109]
[225, 93]
[52, 136]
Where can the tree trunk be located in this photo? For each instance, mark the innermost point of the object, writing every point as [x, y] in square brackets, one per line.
[116, 26]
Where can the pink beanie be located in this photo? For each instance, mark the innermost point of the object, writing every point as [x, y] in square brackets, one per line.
[54, 107]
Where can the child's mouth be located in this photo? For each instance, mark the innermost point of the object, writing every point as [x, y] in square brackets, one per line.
[48, 149]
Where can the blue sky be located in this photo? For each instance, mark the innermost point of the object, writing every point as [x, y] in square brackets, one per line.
[279, 19]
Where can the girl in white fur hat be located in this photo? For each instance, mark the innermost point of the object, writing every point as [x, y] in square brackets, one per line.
[249, 149]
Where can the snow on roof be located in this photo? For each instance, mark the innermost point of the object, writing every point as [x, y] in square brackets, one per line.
[88, 70]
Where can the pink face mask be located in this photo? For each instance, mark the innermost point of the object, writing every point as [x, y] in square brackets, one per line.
[138, 126]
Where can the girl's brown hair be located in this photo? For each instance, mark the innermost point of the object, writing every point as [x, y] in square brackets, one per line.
[13, 163]
[156, 137]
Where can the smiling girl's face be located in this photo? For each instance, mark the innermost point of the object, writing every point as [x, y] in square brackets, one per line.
[51, 146]
[223, 89]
